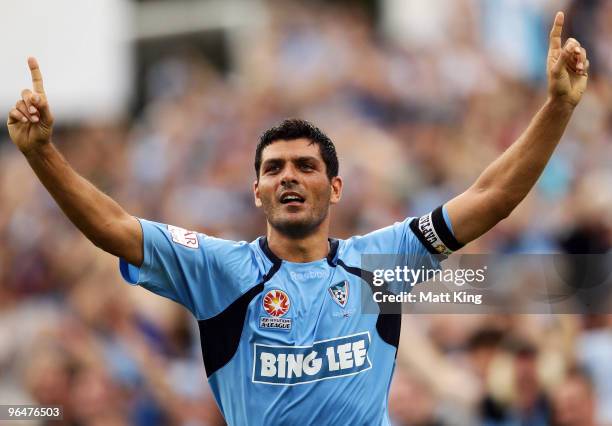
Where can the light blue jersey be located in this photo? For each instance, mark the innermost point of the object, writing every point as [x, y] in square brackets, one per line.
[285, 343]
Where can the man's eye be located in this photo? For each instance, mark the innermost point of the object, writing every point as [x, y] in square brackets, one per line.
[306, 167]
[272, 169]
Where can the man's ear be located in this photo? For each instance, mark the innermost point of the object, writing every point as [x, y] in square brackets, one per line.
[336, 190]
[256, 193]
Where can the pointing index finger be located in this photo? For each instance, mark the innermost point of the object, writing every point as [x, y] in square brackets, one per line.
[37, 81]
[555, 33]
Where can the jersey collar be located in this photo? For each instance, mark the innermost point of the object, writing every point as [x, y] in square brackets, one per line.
[331, 256]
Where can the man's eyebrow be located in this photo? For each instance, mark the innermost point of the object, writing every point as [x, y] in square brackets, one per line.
[305, 158]
[273, 161]
[301, 159]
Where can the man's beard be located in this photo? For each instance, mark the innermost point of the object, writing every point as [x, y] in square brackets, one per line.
[296, 229]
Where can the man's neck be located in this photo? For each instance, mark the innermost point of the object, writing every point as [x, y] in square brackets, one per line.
[300, 250]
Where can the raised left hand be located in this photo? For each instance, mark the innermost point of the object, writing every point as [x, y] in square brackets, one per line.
[567, 66]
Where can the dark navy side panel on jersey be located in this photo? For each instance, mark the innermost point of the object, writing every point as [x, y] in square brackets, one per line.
[220, 335]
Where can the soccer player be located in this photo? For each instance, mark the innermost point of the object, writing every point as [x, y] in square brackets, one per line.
[282, 337]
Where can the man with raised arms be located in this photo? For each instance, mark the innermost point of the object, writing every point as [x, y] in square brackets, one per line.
[282, 337]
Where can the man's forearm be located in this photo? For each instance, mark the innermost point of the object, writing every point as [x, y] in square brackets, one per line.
[502, 186]
[94, 213]
[506, 181]
[511, 176]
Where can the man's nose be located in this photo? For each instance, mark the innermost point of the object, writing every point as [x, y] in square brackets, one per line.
[288, 176]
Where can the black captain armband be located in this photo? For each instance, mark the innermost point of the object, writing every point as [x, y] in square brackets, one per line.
[434, 233]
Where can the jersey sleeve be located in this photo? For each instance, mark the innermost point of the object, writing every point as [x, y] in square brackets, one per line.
[431, 233]
[202, 273]
[421, 242]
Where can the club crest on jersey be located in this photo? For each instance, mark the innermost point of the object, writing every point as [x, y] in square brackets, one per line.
[276, 303]
[340, 293]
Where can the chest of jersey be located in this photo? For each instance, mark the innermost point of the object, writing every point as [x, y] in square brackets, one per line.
[298, 349]
[306, 326]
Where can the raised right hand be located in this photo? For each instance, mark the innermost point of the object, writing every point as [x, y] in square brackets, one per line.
[30, 122]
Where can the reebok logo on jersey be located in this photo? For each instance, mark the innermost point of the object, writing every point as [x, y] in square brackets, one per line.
[327, 359]
[184, 237]
[309, 275]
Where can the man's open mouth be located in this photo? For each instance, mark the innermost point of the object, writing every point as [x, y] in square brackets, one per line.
[291, 197]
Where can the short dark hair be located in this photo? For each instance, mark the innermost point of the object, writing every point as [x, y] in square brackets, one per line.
[292, 129]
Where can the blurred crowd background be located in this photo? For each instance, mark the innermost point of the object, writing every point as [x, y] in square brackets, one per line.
[419, 97]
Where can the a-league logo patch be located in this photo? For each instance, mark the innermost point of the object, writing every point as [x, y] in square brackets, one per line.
[276, 303]
[340, 293]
